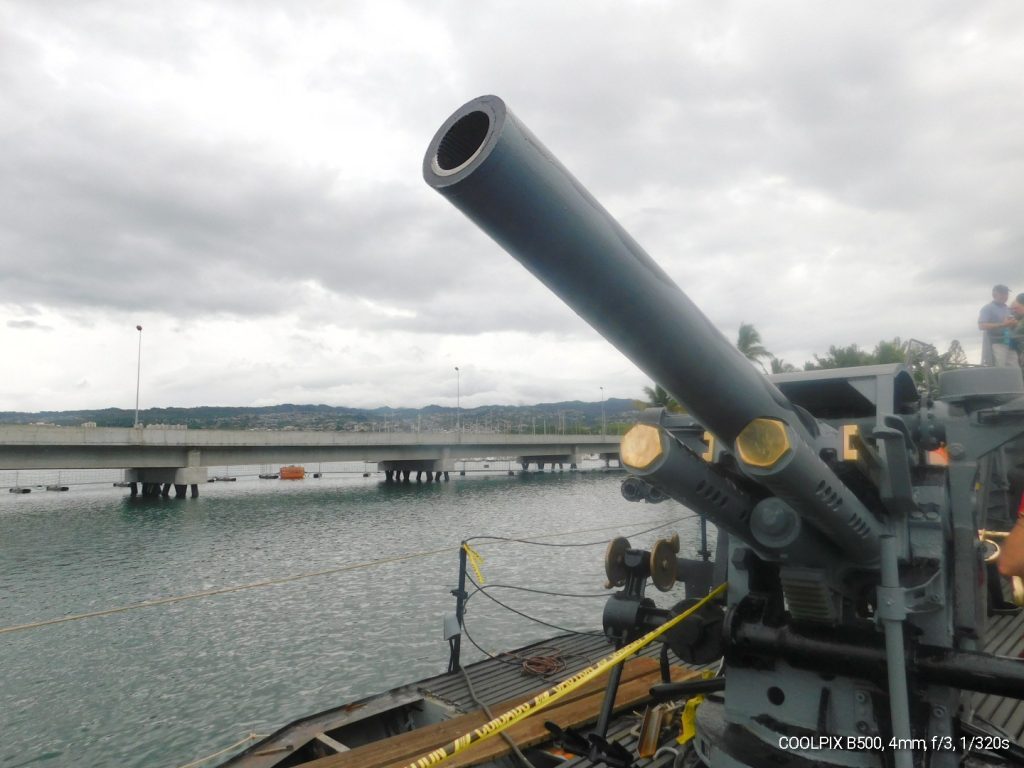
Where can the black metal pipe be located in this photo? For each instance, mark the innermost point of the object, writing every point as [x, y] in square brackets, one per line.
[686, 688]
[608, 703]
[454, 660]
[490, 166]
[865, 657]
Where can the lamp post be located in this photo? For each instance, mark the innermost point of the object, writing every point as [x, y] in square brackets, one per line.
[138, 376]
[604, 428]
[458, 400]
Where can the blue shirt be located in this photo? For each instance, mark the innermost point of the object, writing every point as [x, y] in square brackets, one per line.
[995, 313]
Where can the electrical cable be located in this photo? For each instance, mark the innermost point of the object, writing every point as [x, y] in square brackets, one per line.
[527, 616]
[485, 587]
[491, 656]
[327, 571]
[558, 691]
[603, 542]
[487, 710]
[541, 665]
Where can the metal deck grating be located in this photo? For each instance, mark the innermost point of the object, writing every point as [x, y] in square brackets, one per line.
[1005, 637]
[495, 681]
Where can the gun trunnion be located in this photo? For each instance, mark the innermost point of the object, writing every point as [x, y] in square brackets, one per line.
[889, 543]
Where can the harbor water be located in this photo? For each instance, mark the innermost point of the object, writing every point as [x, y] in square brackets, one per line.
[343, 583]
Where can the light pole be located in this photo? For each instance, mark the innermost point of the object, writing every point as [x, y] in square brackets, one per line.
[138, 377]
[604, 427]
[458, 400]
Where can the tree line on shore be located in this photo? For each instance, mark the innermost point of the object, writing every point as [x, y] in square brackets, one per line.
[923, 359]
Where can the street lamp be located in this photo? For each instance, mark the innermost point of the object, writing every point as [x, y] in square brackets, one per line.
[458, 400]
[603, 423]
[138, 376]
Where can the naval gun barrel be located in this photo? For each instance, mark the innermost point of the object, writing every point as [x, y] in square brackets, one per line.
[492, 168]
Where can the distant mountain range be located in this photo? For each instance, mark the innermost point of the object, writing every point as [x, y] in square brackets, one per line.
[569, 417]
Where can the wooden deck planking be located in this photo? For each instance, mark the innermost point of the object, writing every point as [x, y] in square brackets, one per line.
[638, 676]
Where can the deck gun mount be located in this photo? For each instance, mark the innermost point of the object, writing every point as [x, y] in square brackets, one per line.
[854, 607]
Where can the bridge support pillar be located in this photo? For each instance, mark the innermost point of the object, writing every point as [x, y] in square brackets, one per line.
[401, 470]
[157, 481]
[572, 459]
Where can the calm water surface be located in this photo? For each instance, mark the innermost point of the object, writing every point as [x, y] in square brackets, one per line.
[165, 685]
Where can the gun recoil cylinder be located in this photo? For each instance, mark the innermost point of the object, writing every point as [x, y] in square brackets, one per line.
[967, 670]
[491, 167]
[771, 526]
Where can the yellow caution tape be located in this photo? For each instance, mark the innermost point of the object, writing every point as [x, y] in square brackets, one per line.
[688, 728]
[688, 723]
[475, 559]
[553, 694]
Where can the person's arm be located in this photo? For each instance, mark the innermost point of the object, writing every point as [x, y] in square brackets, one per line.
[1011, 554]
[989, 320]
[1001, 324]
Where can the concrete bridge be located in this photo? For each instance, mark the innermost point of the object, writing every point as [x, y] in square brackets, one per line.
[159, 458]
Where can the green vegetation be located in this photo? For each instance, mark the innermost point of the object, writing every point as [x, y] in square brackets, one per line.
[657, 397]
[748, 341]
[924, 360]
[570, 417]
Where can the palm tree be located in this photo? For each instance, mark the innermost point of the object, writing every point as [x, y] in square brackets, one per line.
[778, 365]
[748, 342]
[657, 397]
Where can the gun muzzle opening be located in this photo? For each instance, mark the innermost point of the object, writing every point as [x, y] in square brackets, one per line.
[763, 442]
[640, 446]
[462, 142]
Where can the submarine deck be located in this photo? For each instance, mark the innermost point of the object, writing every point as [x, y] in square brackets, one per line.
[496, 682]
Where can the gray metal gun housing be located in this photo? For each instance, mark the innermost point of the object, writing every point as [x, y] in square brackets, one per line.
[815, 559]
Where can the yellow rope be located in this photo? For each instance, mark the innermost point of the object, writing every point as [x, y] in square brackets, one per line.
[221, 590]
[256, 585]
[617, 527]
[251, 737]
[553, 694]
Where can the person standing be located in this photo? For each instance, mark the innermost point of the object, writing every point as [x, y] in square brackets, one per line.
[1011, 551]
[1016, 332]
[995, 321]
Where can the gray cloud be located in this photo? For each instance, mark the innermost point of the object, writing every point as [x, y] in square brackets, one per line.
[832, 174]
[27, 325]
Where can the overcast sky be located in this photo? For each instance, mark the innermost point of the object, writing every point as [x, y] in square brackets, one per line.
[243, 180]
